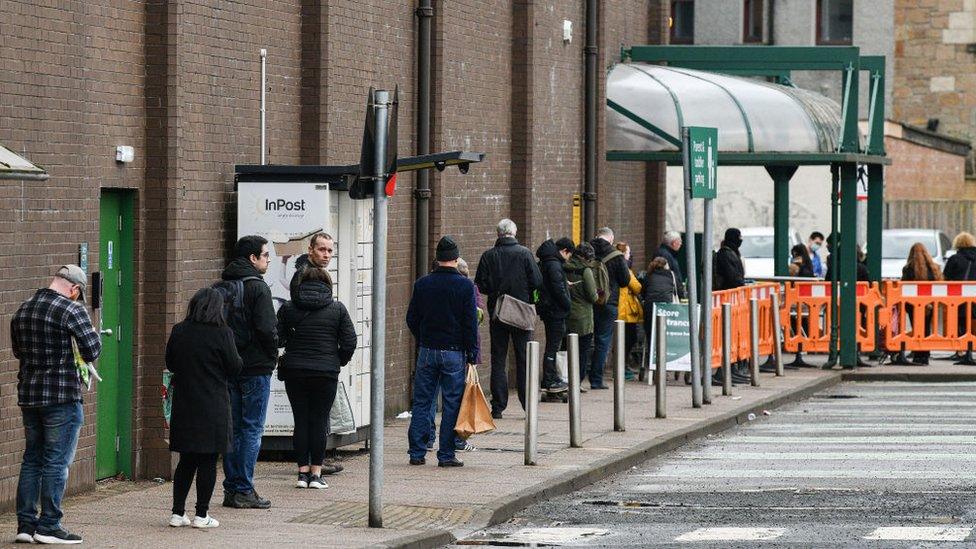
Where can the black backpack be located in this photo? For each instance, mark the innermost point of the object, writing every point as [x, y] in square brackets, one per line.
[234, 310]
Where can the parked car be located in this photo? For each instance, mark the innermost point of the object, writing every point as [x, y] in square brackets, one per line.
[895, 244]
[757, 250]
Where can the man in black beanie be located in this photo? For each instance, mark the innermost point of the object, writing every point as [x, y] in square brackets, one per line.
[442, 318]
[727, 267]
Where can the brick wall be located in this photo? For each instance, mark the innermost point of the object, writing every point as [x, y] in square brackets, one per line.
[935, 75]
[179, 81]
[921, 173]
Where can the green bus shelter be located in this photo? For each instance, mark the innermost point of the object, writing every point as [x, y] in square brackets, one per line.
[656, 90]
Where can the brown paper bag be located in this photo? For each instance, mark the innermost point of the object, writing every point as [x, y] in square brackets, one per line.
[475, 415]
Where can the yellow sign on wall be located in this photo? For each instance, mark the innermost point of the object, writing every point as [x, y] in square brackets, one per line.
[577, 218]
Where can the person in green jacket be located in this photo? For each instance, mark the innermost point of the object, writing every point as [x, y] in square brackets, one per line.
[582, 293]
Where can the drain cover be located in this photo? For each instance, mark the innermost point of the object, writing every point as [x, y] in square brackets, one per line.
[352, 513]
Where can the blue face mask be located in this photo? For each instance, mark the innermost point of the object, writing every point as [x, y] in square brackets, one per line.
[814, 247]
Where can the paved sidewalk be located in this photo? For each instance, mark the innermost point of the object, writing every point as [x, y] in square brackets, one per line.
[425, 503]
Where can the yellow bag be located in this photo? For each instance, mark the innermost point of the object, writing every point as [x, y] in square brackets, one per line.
[475, 415]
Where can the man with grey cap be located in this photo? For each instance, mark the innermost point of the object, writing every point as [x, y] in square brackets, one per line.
[42, 332]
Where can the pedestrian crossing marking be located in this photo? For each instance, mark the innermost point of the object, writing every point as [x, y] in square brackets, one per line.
[732, 534]
[920, 533]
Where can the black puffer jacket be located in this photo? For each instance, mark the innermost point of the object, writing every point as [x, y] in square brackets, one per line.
[617, 269]
[261, 352]
[727, 269]
[959, 264]
[317, 333]
[509, 269]
[554, 301]
[659, 287]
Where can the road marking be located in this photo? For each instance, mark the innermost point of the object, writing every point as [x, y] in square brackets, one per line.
[820, 441]
[921, 533]
[732, 534]
[860, 474]
[824, 456]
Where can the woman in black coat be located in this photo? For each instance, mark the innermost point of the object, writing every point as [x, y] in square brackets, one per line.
[319, 339]
[202, 355]
[660, 286]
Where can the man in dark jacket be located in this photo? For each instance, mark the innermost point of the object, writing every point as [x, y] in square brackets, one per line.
[249, 392]
[605, 315]
[443, 318]
[554, 305]
[321, 248]
[728, 270]
[507, 269]
[668, 250]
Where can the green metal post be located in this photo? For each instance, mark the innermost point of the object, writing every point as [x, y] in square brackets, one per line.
[848, 265]
[875, 219]
[781, 217]
[834, 255]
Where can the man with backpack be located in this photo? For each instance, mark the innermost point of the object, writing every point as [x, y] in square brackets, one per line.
[507, 269]
[251, 315]
[611, 274]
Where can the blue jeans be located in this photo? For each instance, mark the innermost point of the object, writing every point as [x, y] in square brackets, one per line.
[51, 437]
[436, 368]
[248, 407]
[432, 437]
[603, 320]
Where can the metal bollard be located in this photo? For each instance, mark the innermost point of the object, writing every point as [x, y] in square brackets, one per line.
[726, 349]
[618, 377]
[777, 334]
[660, 372]
[754, 339]
[531, 402]
[575, 421]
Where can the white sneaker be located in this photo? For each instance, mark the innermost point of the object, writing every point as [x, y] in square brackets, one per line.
[316, 482]
[24, 537]
[177, 521]
[205, 522]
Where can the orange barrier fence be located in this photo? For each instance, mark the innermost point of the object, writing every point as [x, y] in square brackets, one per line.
[929, 316]
[805, 316]
[738, 298]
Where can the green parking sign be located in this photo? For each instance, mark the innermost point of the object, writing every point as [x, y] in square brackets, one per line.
[700, 147]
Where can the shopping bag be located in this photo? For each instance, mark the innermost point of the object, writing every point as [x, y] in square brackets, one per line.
[562, 366]
[341, 421]
[474, 416]
[167, 395]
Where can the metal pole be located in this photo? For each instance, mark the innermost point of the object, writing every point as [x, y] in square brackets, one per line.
[575, 421]
[660, 372]
[696, 389]
[378, 333]
[425, 13]
[531, 402]
[726, 349]
[754, 340]
[777, 333]
[707, 304]
[590, 166]
[264, 89]
[618, 376]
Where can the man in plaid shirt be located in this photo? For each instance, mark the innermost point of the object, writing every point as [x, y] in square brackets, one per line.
[49, 394]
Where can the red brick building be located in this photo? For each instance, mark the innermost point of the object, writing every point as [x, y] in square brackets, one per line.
[179, 81]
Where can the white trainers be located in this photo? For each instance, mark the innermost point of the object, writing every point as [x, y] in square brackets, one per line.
[205, 522]
[316, 482]
[177, 521]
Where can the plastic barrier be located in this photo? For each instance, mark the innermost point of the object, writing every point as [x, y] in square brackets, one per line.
[929, 316]
[805, 316]
[739, 298]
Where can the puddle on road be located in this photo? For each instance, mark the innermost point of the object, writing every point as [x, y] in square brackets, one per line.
[535, 537]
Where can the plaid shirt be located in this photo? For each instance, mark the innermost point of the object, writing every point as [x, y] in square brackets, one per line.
[40, 333]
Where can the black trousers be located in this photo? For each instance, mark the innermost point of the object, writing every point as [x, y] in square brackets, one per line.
[205, 468]
[311, 400]
[555, 332]
[500, 334]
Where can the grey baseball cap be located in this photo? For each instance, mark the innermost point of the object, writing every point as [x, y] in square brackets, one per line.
[74, 275]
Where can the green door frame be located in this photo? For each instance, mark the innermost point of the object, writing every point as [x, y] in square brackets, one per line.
[125, 254]
[779, 62]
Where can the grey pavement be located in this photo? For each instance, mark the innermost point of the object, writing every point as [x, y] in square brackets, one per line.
[887, 464]
[424, 502]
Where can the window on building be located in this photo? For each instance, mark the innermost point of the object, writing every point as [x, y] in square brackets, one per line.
[752, 22]
[682, 21]
[835, 22]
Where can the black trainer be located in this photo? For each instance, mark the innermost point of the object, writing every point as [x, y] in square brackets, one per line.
[331, 468]
[455, 462]
[247, 501]
[417, 461]
[57, 537]
[25, 534]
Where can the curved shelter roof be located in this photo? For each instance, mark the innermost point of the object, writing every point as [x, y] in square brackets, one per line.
[648, 104]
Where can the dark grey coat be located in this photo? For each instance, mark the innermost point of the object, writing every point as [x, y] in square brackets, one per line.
[202, 357]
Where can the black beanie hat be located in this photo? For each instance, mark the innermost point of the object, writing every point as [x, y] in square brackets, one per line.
[447, 250]
[565, 243]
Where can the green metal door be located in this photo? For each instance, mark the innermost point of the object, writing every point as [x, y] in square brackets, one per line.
[114, 393]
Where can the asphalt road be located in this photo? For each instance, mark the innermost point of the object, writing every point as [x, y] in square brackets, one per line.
[861, 465]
